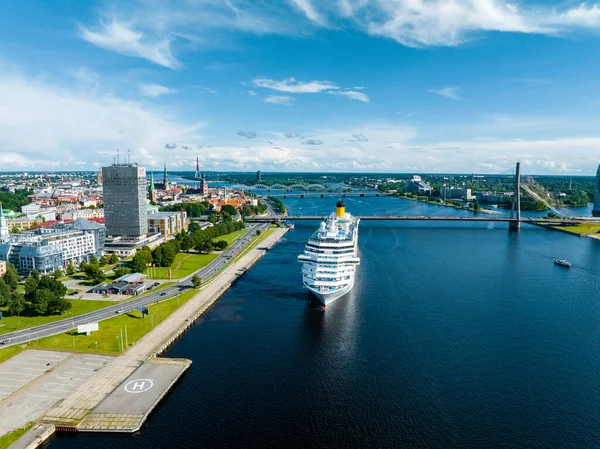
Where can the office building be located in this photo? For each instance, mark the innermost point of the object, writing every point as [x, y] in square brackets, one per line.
[4, 231]
[456, 193]
[125, 212]
[168, 224]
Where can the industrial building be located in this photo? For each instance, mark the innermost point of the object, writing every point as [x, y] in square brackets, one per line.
[125, 212]
[418, 186]
[130, 284]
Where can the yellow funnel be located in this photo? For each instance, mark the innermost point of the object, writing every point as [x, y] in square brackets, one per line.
[340, 209]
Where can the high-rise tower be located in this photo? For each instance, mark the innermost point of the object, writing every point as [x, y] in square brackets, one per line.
[197, 175]
[165, 177]
[596, 210]
[125, 210]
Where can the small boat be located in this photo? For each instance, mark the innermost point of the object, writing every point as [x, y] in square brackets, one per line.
[562, 263]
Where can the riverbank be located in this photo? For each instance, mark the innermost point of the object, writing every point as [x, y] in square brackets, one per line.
[433, 203]
[77, 406]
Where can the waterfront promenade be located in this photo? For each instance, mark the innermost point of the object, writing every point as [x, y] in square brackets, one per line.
[77, 406]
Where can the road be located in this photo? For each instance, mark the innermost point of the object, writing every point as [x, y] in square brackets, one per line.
[57, 327]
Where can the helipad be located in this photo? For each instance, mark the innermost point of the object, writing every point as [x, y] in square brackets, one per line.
[128, 406]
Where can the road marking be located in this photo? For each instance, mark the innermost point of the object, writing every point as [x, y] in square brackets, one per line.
[139, 385]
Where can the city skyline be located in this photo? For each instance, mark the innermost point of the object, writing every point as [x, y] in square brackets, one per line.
[398, 86]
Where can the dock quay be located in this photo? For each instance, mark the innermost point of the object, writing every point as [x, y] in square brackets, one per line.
[120, 395]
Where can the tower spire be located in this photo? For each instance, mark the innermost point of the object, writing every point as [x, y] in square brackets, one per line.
[165, 178]
[197, 166]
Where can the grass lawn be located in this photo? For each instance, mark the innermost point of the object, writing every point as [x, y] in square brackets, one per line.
[7, 353]
[230, 238]
[582, 228]
[106, 340]
[184, 265]
[9, 438]
[80, 306]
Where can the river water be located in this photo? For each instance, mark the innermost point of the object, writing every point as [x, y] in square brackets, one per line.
[455, 335]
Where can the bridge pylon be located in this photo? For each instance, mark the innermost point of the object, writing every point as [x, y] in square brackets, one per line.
[515, 208]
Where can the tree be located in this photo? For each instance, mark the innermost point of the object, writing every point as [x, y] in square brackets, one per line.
[193, 226]
[83, 265]
[94, 261]
[258, 231]
[95, 273]
[35, 274]
[40, 301]
[113, 259]
[121, 271]
[31, 285]
[221, 245]
[228, 209]
[16, 304]
[196, 281]
[57, 305]
[5, 293]
[11, 277]
[58, 273]
[70, 269]
[103, 261]
[212, 219]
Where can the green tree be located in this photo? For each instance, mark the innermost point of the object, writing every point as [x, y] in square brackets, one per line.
[83, 265]
[228, 209]
[196, 281]
[103, 261]
[16, 304]
[58, 273]
[35, 274]
[5, 293]
[95, 273]
[57, 305]
[113, 259]
[258, 231]
[193, 226]
[94, 261]
[41, 300]
[70, 269]
[31, 285]
[221, 245]
[11, 277]
[121, 271]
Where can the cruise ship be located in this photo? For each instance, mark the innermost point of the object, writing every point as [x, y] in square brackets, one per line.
[330, 256]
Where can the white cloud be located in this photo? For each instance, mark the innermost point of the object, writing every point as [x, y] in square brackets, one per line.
[312, 142]
[353, 95]
[252, 93]
[154, 90]
[306, 7]
[279, 99]
[121, 37]
[292, 86]
[448, 92]
[247, 134]
[206, 90]
[74, 123]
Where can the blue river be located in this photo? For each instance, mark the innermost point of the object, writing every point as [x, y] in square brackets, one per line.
[455, 335]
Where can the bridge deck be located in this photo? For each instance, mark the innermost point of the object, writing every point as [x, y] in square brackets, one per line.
[549, 221]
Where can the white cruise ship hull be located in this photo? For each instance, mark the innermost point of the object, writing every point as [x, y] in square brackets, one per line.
[326, 298]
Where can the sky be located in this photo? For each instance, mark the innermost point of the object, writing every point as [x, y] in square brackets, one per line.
[423, 86]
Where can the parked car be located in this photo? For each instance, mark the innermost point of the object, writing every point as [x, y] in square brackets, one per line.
[163, 294]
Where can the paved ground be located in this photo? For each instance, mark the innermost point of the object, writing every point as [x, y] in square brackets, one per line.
[126, 408]
[88, 396]
[34, 381]
[74, 285]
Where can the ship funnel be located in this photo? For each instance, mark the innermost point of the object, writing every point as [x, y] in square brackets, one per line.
[340, 209]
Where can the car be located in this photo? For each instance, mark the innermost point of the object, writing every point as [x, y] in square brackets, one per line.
[163, 294]
[6, 342]
[156, 284]
[120, 311]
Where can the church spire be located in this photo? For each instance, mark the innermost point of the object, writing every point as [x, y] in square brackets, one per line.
[165, 178]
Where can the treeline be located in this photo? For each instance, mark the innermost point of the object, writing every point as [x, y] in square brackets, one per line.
[14, 201]
[196, 238]
[44, 295]
[248, 209]
[192, 209]
[278, 205]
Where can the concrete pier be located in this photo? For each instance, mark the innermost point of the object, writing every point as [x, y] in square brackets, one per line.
[100, 403]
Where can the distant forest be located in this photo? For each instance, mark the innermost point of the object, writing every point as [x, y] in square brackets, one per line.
[14, 201]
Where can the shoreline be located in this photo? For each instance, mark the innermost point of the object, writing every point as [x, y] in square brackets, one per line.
[483, 211]
[70, 413]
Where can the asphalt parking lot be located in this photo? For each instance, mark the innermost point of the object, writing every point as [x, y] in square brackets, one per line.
[33, 381]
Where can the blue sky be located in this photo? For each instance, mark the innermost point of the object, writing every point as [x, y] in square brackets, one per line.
[338, 85]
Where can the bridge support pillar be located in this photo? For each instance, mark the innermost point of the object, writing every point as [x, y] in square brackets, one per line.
[515, 208]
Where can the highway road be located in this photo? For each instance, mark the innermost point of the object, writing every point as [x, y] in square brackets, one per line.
[57, 327]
